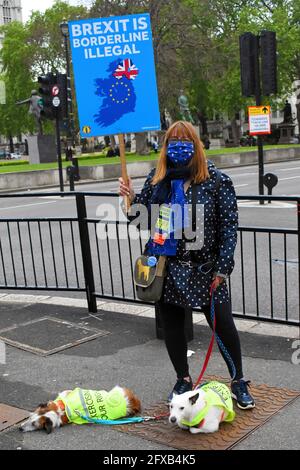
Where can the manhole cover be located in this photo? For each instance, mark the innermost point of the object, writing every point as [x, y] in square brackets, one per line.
[10, 416]
[47, 336]
[269, 401]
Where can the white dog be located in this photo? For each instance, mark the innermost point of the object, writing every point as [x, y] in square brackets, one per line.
[203, 409]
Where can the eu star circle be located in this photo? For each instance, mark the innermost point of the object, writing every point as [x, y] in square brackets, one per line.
[119, 92]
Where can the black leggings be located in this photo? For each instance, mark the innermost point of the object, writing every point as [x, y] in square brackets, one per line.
[173, 325]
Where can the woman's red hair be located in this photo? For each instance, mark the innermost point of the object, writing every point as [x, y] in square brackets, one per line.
[198, 164]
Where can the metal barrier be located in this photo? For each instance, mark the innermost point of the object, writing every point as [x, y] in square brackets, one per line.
[67, 254]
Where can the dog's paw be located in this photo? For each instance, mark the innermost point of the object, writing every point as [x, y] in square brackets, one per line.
[196, 430]
[182, 426]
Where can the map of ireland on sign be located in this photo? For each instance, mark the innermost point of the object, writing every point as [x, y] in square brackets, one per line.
[118, 92]
[114, 73]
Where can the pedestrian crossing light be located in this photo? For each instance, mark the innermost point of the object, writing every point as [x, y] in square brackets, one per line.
[268, 62]
[258, 60]
[248, 58]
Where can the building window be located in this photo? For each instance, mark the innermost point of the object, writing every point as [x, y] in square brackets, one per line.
[6, 12]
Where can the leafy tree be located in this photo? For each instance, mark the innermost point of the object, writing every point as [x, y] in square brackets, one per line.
[28, 51]
[18, 83]
[227, 19]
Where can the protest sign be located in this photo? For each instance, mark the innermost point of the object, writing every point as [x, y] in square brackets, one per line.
[114, 72]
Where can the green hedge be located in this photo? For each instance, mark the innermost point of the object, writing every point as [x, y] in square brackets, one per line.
[89, 156]
[13, 162]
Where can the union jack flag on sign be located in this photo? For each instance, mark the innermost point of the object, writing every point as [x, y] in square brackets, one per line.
[127, 69]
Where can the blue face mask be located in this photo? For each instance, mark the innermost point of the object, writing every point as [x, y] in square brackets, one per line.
[180, 152]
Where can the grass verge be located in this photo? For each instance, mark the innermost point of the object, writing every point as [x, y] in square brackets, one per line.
[10, 166]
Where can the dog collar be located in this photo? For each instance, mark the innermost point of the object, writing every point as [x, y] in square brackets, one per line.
[201, 423]
[199, 418]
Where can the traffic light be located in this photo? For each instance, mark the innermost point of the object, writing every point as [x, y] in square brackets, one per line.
[248, 58]
[54, 93]
[63, 95]
[47, 83]
[268, 62]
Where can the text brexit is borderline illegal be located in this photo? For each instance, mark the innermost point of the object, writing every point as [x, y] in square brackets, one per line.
[110, 38]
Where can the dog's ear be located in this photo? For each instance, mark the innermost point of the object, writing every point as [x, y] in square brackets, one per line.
[194, 398]
[43, 405]
[48, 426]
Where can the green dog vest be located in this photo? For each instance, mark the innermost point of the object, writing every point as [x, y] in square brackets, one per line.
[94, 404]
[216, 394]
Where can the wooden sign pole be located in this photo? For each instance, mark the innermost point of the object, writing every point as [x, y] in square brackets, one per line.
[124, 167]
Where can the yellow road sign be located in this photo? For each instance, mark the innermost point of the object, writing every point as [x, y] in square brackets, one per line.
[255, 110]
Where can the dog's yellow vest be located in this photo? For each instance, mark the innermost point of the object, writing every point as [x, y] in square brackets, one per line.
[94, 404]
[216, 394]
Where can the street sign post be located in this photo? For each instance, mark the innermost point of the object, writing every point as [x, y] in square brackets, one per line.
[259, 120]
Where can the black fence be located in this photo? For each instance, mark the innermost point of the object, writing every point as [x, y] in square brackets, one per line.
[96, 256]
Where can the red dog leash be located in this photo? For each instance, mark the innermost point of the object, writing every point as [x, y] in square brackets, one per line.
[211, 344]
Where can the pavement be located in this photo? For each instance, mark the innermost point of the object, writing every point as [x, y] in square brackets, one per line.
[130, 354]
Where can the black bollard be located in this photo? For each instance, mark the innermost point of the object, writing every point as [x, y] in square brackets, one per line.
[70, 175]
[270, 181]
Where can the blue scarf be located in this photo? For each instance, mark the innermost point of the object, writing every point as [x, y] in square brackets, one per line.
[171, 190]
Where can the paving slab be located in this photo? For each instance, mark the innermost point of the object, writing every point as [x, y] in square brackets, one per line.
[26, 298]
[130, 309]
[285, 331]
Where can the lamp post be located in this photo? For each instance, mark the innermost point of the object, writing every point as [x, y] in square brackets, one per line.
[64, 28]
[73, 169]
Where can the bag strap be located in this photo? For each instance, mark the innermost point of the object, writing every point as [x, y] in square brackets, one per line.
[161, 265]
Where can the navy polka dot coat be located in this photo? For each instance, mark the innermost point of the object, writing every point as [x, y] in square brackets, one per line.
[189, 285]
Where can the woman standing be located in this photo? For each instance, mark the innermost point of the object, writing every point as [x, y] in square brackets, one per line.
[183, 176]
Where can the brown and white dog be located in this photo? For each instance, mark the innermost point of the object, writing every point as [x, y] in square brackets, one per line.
[54, 414]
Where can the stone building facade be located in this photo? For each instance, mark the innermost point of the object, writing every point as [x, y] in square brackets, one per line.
[10, 10]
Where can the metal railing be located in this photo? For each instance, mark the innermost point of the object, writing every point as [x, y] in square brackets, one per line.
[67, 254]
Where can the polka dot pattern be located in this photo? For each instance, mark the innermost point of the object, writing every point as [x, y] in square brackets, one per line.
[185, 285]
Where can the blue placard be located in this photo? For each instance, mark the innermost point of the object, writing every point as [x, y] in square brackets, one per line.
[114, 70]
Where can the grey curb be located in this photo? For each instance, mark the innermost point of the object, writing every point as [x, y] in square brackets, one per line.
[248, 326]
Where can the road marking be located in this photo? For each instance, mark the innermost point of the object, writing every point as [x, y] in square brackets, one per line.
[243, 174]
[289, 169]
[27, 205]
[273, 205]
[53, 197]
[240, 185]
[290, 178]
